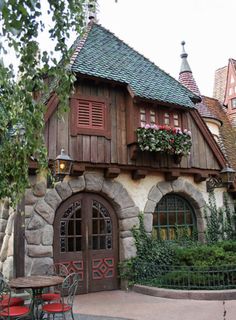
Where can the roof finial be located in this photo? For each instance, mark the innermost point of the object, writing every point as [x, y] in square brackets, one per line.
[183, 54]
[92, 11]
[184, 66]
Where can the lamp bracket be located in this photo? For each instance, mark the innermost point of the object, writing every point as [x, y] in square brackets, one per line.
[214, 182]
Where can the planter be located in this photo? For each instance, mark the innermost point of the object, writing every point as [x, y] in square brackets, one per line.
[177, 158]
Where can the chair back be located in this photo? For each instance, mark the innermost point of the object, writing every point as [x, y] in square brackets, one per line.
[5, 295]
[57, 269]
[69, 288]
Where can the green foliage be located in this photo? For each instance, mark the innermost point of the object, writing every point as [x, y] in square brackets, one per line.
[164, 139]
[220, 221]
[21, 23]
[150, 252]
[206, 255]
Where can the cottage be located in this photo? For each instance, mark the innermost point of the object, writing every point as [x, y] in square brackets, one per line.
[85, 221]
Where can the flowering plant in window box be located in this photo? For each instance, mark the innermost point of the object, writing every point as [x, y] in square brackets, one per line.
[156, 138]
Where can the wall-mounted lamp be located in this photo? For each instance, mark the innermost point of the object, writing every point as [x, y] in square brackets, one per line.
[225, 179]
[63, 165]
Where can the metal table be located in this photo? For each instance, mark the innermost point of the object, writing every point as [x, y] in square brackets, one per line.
[36, 284]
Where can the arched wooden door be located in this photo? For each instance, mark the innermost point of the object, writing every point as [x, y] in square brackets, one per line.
[85, 240]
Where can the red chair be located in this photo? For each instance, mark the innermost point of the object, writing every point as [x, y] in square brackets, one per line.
[7, 310]
[68, 291]
[12, 301]
[57, 269]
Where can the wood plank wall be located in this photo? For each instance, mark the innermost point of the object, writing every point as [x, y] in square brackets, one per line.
[100, 150]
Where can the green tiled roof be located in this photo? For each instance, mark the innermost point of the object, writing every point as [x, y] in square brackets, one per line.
[104, 55]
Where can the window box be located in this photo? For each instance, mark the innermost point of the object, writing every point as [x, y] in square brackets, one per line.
[164, 139]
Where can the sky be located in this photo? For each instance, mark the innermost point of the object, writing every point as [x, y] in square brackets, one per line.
[156, 28]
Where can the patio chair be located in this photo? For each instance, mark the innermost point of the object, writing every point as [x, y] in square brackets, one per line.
[7, 309]
[65, 305]
[12, 301]
[57, 269]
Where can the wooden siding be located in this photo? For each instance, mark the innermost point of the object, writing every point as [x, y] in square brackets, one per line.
[116, 151]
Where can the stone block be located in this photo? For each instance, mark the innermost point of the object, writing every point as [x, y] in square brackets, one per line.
[40, 265]
[3, 224]
[155, 194]
[47, 236]
[93, 181]
[36, 222]
[77, 184]
[124, 200]
[165, 187]
[40, 188]
[127, 248]
[7, 268]
[36, 251]
[33, 236]
[53, 199]
[126, 234]
[29, 211]
[128, 224]
[64, 190]
[148, 218]
[129, 212]
[45, 211]
[10, 224]
[10, 248]
[150, 206]
[4, 249]
[30, 198]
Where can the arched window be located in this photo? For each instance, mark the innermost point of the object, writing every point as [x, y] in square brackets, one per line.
[173, 216]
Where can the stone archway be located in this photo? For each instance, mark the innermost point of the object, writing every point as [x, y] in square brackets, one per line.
[181, 187]
[39, 227]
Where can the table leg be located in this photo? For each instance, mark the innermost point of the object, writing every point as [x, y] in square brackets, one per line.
[35, 303]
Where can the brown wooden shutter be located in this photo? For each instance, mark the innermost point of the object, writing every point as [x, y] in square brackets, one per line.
[91, 115]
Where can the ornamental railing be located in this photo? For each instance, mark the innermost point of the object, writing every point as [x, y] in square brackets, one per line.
[186, 277]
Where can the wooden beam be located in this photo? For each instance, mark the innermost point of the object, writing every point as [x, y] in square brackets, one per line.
[139, 174]
[19, 241]
[112, 172]
[199, 177]
[78, 169]
[173, 175]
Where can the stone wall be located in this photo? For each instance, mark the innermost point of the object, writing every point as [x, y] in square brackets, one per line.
[128, 198]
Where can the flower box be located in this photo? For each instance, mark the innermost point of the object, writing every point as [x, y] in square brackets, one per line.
[173, 141]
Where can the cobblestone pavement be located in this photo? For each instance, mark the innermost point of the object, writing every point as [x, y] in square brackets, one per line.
[121, 305]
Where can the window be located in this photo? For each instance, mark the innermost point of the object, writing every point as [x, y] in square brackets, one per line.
[173, 216]
[151, 116]
[233, 103]
[147, 116]
[89, 116]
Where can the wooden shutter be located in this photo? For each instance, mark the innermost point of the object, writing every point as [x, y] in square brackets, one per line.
[89, 117]
[91, 114]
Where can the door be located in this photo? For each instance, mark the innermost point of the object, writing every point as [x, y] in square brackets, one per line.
[85, 240]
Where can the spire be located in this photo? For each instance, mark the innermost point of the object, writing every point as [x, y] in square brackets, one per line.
[184, 66]
[185, 75]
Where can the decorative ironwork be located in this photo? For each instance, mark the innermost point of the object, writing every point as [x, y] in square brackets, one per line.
[214, 182]
[225, 179]
[187, 277]
[101, 227]
[70, 228]
[103, 268]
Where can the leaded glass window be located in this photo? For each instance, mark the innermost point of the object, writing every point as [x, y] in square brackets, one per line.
[173, 217]
[70, 229]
